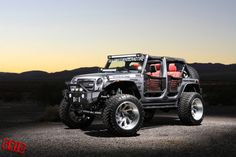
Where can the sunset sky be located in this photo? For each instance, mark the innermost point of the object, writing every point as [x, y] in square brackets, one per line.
[54, 35]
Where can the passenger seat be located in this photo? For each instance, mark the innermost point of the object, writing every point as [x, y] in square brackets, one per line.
[172, 71]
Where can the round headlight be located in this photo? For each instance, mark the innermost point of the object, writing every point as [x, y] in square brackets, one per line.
[99, 81]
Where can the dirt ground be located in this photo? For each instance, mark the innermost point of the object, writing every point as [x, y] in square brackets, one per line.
[163, 136]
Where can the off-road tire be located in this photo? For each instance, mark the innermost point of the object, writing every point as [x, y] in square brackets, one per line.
[66, 119]
[184, 108]
[193, 72]
[109, 114]
[149, 114]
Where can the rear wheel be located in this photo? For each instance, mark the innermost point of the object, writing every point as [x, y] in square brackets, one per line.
[72, 116]
[191, 108]
[123, 115]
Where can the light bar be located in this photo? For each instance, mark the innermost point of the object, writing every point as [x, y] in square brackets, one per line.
[108, 70]
[125, 55]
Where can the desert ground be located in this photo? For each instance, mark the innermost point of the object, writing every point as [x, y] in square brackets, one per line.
[163, 136]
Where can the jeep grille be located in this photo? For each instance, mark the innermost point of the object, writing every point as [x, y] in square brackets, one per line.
[88, 84]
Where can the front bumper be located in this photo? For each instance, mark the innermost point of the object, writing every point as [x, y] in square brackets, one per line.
[80, 94]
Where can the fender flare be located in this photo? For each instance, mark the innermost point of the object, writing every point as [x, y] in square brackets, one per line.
[130, 85]
[190, 86]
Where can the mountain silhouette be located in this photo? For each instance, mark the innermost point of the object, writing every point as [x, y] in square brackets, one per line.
[46, 88]
[207, 71]
[216, 72]
[45, 76]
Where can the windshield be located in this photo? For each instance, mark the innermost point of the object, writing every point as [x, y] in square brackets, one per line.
[132, 64]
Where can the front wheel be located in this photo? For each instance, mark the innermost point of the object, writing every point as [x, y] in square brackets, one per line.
[191, 108]
[72, 116]
[123, 115]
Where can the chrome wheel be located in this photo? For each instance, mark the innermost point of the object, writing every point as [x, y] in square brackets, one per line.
[127, 115]
[197, 109]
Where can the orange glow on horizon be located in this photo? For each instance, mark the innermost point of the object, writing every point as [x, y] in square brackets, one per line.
[51, 63]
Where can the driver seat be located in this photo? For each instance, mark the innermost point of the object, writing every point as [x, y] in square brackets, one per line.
[155, 70]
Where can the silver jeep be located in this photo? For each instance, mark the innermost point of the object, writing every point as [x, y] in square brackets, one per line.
[129, 89]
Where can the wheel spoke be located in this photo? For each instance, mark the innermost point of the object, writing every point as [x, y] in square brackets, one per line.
[129, 110]
[129, 120]
[122, 122]
[125, 122]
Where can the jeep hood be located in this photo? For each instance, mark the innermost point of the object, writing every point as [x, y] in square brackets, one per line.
[108, 76]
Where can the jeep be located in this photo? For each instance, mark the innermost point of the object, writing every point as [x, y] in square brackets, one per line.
[128, 90]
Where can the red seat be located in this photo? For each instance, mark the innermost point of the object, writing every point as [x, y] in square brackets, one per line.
[158, 67]
[172, 71]
[155, 70]
[135, 65]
